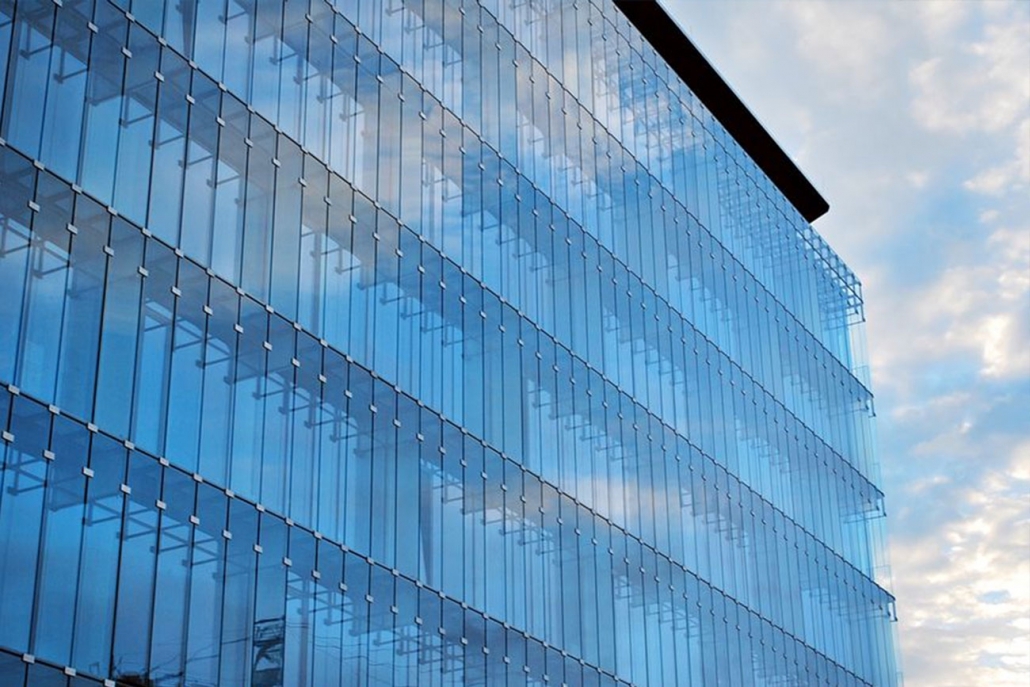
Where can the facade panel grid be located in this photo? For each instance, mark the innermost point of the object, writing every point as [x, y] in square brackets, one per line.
[413, 342]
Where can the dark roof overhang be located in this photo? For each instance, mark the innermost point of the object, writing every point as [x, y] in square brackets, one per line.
[662, 32]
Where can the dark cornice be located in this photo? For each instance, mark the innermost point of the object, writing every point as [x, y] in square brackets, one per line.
[661, 31]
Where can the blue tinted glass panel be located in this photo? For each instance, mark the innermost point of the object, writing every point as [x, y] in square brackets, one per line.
[414, 343]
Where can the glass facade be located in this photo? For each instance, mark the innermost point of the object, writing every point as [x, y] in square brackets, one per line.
[413, 342]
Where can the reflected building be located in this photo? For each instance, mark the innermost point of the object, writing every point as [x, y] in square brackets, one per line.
[418, 342]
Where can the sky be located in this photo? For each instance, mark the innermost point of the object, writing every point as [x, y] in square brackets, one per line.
[912, 117]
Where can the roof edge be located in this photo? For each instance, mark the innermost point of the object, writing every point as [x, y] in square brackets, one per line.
[669, 41]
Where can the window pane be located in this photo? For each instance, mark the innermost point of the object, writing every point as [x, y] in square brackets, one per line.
[21, 511]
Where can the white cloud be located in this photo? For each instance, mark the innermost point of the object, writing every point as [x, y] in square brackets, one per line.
[844, 42]
[918, 179]
[978, 306]
[941, 18]
[991, 182]
[1010, 176]
[964, 596]
[982, 87]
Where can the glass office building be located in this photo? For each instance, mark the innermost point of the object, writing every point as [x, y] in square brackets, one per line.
[418, 342]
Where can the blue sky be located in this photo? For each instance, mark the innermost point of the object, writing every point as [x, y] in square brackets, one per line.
[913, 119]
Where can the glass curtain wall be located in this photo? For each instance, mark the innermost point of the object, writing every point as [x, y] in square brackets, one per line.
[413, 342]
